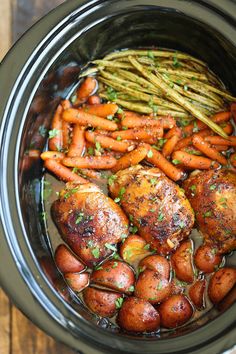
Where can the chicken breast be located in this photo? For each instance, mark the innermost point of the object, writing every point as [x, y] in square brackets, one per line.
[212, 195]
[89, 221]
[156, 205]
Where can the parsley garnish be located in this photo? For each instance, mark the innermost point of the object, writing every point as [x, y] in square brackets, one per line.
[119, 302]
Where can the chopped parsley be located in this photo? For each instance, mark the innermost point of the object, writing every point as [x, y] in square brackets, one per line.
[119, 302]
[176, 162]
[213, 187]
[96, 252]
[79, 218]
[160, 217]
[111, 94]
[119, 138]
[131, 288]
[150, 154]
[207, 214]
[110, 247]
[70, 192]
[53, 133]
[150, 54]
[111, 179]
[91, 151]
[133, 229]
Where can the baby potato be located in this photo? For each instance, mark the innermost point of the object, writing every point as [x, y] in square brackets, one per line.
[207, 258]
[151, 287]
[77, 281]
[221, 283]
[115, 275]
[157, 263]
[175, 311]
[133, 249]
[66, 261]
[103, 303]
[196, 293]
[181, 262]
[138, 315]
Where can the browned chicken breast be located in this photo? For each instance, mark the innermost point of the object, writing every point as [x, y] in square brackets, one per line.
[156, 205]
[89, 221]
[212, 195]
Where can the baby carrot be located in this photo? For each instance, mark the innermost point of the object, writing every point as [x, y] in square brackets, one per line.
[142, 121]
[218, 140]
[233, 160]
[233, 111]
[94, 99]
[85, 90]
[198, 125]
[169, 146]
[188, 140]
[55, 134]
[193, 161]
[63, 172]
[65, 104]
[101, 110]
[208, 150]
[55, 155]
[77, 145]
[94, 162]
[107, 142]
[173, 131]
[220, 147]
[227, 127]
[158, 160]
[132, 158]
[65, 126]
[78, 116]
[143, 134]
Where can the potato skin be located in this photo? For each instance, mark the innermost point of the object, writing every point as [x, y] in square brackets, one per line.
[115, 275]
[132, 250]
[66, 261]
[151, 287]
[221, 283]
[175, 311]
[101, 302]
[207, 259]
[181, 262]
[77, 281]
[196, 293]
[137, 315]
[157, 263]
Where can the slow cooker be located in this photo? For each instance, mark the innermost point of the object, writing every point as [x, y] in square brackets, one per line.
[41, 69]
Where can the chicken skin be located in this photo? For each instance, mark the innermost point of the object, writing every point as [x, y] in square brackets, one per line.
[89, 221]
[156, 205]
[212, 195]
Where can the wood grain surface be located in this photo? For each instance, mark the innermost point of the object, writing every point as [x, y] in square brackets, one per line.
[17, 334]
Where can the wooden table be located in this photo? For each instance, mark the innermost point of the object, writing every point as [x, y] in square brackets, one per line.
[17, 334]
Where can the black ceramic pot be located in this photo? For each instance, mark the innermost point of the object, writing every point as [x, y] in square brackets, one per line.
[41, 68]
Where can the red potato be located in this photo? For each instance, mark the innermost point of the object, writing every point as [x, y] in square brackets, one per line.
[115, 275]
[181, 262]
[207, 258]
[158, 264]
[134, 249]
[175, 311]
[103, 303]
[221, 283]
[66, 261]
[196, 293]
[137, 315]
[77, 281]
[151, 287]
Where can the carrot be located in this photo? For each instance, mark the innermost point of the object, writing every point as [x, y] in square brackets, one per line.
[169, 146]
[198, 125]
[65, 104]
[193, 161]
[132, 158]
[85, 90]
[173, 131]
[228, 128]
[91, 174]
[208, 150]
[220, 147]
[192, 150]
[233, 160]
[94, 162]
[143, 134]
[78, 116]
[158, 160]
[106, 142]
[233, 111]
[135, 121]
[101, 110]
[218, 140]
[94, 99]
[55, 155]
[77, 145]
[55, 141]
[65, 134]
[63, 172]
[188, 140]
